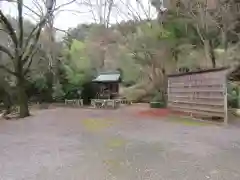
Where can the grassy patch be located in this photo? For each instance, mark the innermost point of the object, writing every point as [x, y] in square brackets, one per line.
[97, 124]
[116, 143]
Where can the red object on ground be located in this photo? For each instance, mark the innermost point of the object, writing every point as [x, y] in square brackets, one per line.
[180, 113]
[155, 112]
[160, 113]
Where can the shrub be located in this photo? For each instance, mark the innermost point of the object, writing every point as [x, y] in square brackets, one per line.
[233, 96]
[158, 101]
[58, 93]
[157, 97]
[157, 105]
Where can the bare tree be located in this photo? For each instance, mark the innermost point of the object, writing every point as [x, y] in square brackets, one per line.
[23, 51]
[212, 21]
[200, 17]
[105, 12]
[101, 11]
[49, 42]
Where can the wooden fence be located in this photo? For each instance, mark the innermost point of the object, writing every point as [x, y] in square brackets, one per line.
[201, 94]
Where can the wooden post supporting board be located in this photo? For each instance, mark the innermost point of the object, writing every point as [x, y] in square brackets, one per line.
[225, 102]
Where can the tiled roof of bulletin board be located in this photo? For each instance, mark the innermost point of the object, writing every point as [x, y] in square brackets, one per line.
[113, 76]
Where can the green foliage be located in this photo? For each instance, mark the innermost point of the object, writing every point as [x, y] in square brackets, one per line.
[40, 82]
[233, 96]
[158, 100]
[148, 41]
[79, 33]
[77, 71]
[130, 70]
[135, 94]
[71, 91]
[77, 64]
[157, 105]
[158, 96]
[58, 93]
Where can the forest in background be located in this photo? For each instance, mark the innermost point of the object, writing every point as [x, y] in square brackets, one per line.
[185, 36]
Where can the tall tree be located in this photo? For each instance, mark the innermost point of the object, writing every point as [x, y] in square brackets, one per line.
[23, 50]
[211, 20]
[101, 11]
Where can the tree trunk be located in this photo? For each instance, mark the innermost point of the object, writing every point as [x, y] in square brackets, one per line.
[165, 86]
[5, 91]
[224, 40]
[50, 86]
[7, 103]
[212, 54]
[238, 96]
[22, 97]
[209, 51]
[102, 58]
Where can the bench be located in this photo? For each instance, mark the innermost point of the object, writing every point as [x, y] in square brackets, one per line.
[74, 102]
[126, 102]
[105, 103]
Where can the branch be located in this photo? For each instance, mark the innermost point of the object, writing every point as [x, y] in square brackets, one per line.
[6, 51]
[30, 49]
[91, 7]
[32, 46]
[131, 9]
[142, 7]
[69, 10]
[30, 9]
[7, 70]
[37, 28]
[109, 13]
[200, 34]
[44, 2]
[65, 4]
[31, 16]
[3, 30]
[27, 7]
[104, 10]
[61, 30]
[20, 21]
[10, 29]
[38, 6]
[120, 13]
[30, 62]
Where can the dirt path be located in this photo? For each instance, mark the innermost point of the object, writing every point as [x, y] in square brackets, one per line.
[72, 144]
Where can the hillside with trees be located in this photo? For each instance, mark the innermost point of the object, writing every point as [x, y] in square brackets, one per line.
[186, 36]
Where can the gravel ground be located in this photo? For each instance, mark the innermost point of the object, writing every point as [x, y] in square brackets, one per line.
[73, 144]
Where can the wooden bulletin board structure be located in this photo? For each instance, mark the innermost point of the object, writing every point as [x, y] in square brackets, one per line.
[201, 93]
[107, 84]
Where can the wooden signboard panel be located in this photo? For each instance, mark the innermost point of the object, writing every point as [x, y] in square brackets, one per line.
[202, 93]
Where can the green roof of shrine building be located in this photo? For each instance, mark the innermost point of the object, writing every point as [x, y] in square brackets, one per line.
[111, 76]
